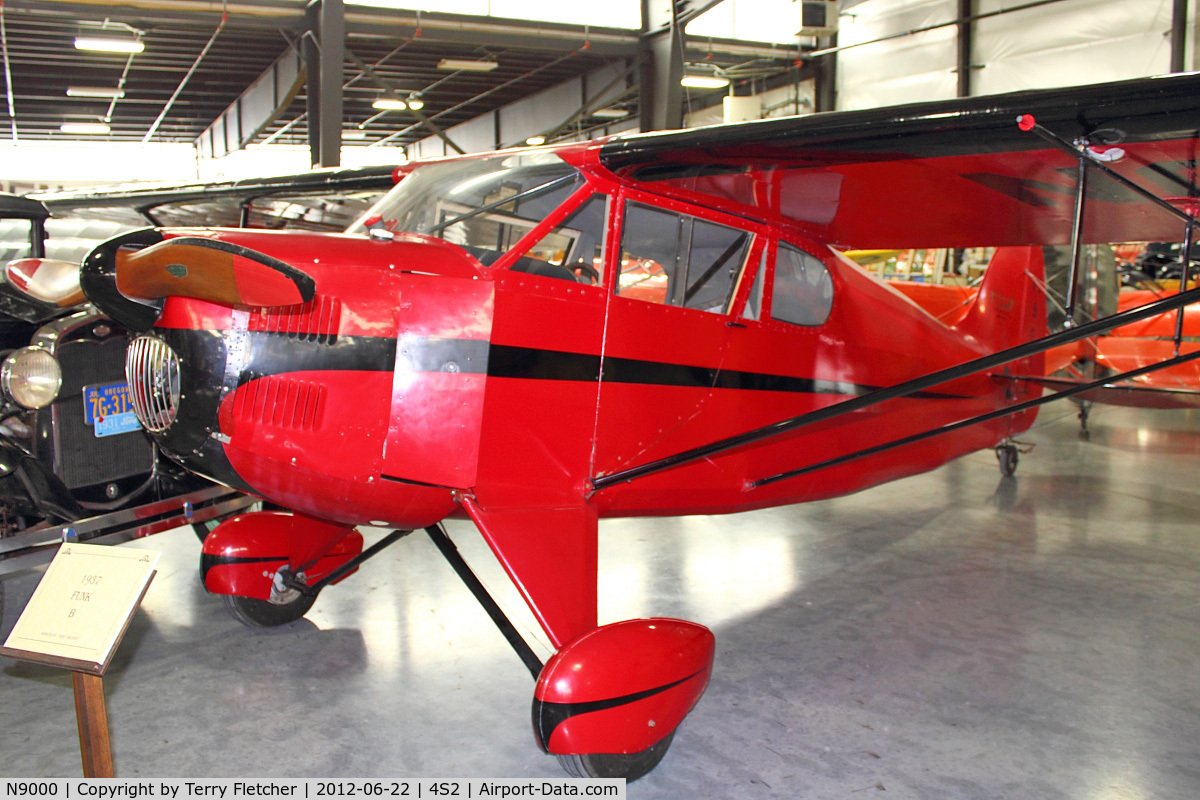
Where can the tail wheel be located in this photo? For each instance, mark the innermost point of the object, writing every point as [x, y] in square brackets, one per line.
[629, 766]
[263, 613]
[1007, 455]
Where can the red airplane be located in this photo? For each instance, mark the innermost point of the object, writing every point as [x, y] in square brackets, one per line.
[648, 325]
[1128, 347]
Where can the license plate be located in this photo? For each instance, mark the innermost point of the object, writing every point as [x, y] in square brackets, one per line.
[106, 407]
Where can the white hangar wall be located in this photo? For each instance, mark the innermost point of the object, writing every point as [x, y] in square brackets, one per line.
[909, 69]
[1068, 43]
[513, 124]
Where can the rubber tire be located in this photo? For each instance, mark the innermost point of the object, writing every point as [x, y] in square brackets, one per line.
[629, 766]
[1008, 458]
[257, 613]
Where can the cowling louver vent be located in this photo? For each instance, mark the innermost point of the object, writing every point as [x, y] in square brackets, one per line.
[280, 402]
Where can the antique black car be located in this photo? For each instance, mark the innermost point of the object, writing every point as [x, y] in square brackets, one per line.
[73, 461]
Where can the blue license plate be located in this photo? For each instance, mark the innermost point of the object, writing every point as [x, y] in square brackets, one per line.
[106, 407]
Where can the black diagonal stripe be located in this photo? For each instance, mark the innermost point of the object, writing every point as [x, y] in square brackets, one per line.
[547, 715]
[207, 562]
[432, 354]
[272, 354]
[506, 361]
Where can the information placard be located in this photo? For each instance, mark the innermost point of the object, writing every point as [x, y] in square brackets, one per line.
[82, 607]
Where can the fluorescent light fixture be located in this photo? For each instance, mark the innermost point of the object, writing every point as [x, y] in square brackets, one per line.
[389, 104]
[703, 81]
[84, 127]
[471, 66]
[95, 91]
[535, 140]
[355, 136]
[610, 113]
[415, 102]
[109, 44]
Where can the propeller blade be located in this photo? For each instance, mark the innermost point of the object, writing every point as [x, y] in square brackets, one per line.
[213, 270]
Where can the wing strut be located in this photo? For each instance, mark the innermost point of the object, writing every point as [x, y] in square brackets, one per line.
[1185, 274]
[529, 658]
[954, 426]
[904, 389]
[1089, 157]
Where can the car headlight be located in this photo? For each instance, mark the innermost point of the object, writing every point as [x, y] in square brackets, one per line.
[31, 376]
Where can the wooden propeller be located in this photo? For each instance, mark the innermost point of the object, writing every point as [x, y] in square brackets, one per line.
[213, 270]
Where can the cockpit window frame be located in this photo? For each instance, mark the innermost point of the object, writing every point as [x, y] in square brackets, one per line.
[758, 231]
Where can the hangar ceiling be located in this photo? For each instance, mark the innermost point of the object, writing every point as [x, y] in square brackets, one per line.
[402, 50]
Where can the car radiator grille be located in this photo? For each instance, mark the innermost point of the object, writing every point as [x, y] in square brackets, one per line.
[80, 457]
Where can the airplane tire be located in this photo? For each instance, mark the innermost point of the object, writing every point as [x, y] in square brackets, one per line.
[629, 766]
[1007, 455]
[264, 614]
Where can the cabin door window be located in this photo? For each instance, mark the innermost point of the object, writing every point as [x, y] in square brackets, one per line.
[679, 260]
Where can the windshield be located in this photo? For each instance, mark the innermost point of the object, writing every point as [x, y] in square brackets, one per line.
[484, 205]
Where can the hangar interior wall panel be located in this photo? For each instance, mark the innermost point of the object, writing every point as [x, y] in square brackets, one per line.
[1070, 43]
[797, 98]
[527, 117]
[713, 115]
[905, 70]
[540, 112]
[754, 20]
[475, 135]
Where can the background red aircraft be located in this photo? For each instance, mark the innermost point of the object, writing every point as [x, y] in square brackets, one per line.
[657, 324]
[1125, 348]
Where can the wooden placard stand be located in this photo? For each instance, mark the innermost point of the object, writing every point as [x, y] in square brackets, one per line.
[75, 620]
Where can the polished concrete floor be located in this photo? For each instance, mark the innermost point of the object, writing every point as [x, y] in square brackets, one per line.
[955, 635]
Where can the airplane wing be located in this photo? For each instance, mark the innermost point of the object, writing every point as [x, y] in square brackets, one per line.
[958, 173]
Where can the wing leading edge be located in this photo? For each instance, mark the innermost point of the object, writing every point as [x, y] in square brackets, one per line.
[956, 173]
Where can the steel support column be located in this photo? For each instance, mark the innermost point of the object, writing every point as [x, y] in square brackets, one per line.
[825, 79]
[1179, 29]
[324, 54]
[311, 51]
[661, 47]
[964, 44]
[333, 42]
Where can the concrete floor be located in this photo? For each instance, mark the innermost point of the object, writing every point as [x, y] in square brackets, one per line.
[955, 635]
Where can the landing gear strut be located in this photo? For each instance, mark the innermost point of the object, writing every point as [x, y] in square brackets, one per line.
[608, 703]
[1085, 409]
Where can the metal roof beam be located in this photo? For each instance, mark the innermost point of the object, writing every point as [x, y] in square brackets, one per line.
[385, 23]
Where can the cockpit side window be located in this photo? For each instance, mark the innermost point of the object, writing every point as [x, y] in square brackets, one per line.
[678, 259]
[574, 247]
[803, 290]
